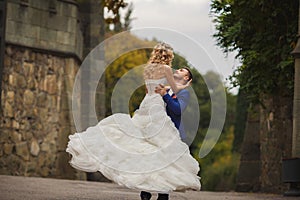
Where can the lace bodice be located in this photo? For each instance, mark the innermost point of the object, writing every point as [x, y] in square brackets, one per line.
[152, 83]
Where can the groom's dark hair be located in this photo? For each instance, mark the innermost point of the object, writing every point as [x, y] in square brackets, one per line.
[189, 73]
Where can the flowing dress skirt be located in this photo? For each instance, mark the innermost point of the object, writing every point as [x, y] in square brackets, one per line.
[143, 152]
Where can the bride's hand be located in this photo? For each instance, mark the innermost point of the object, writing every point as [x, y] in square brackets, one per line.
[189, 83]
[181, 87]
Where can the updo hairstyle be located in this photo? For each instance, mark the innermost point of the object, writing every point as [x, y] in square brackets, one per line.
[162, 53]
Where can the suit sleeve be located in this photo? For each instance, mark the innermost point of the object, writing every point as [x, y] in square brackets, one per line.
[179, 104]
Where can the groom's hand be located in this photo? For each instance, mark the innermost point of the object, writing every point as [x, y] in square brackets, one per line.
[161, 89]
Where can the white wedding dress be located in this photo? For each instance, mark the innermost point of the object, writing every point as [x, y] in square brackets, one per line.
[144, 152]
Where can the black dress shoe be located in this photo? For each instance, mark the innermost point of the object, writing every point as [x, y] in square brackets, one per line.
[145, 195]
[163, 196]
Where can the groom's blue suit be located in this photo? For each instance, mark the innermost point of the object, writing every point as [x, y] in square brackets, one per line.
[176, 104]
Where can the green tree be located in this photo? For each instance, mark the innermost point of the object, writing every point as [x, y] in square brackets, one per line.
[263, 33]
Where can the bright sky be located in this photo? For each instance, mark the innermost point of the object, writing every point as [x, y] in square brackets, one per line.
[188, 17]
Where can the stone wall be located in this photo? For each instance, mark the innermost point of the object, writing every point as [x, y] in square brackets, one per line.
[45, 43]
[48, 24]
[36, 114]
[43, 51]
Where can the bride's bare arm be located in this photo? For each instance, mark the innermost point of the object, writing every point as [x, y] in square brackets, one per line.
[170, 78]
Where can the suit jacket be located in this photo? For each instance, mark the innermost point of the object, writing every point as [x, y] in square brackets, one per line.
[175, 107]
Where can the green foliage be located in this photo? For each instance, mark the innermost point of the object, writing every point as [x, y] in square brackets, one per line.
[219, 167]
[179, 62]
[221, 176]
[263, 33]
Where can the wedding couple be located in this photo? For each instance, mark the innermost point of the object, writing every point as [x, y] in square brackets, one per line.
[145, 152]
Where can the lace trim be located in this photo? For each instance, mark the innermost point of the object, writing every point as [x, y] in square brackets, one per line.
[154, 71]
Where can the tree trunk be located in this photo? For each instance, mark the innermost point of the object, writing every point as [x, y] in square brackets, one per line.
[275, 138]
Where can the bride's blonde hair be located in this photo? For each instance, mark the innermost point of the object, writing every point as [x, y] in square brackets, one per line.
[162, 53]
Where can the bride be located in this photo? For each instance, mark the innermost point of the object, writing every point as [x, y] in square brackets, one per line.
[144, 152]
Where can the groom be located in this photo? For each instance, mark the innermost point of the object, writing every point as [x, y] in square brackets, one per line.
[175, 105]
